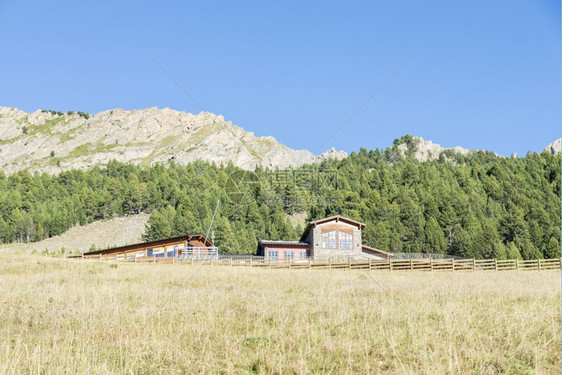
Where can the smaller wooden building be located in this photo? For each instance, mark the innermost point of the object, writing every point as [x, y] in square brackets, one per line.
[283, 249]
[188, 246]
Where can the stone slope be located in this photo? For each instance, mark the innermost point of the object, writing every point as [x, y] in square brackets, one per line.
[118, 231]
[554, 147]
[51, 143]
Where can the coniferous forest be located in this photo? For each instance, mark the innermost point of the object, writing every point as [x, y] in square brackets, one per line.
[476, 206]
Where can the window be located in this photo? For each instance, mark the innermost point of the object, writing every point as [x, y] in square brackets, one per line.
[346, 241]
[329, 240]
[289, 255]
[272, 254]
[149, 252]
[303, 255]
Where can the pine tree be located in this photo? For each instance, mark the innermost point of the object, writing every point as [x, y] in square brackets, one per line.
[553, 249]
[224, 237]
[160, 224]
[435, 242]
[513, 252]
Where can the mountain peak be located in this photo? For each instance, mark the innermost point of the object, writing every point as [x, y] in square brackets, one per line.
[424, 150]
[554, 147]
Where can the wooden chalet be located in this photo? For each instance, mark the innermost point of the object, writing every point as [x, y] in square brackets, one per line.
[331, 237]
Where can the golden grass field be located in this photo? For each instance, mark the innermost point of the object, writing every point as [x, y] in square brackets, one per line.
[87, 317]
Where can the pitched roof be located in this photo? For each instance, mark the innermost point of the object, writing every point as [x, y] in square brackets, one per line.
[149, 244]
[331, 218]
[374, 250]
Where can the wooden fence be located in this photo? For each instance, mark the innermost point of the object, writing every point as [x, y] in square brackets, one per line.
[364, 264]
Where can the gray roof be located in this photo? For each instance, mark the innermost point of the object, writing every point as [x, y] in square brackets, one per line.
[277, 242]
[332, 218]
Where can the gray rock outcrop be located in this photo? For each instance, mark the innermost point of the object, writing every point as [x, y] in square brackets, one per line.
[554, 147]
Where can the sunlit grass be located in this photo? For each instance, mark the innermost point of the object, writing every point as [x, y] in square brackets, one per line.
[63, 316]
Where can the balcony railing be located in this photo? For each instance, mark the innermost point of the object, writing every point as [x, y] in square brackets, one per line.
[198, 253]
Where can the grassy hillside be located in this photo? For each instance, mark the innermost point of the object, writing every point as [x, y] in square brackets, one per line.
[64, 316]
[99, 234]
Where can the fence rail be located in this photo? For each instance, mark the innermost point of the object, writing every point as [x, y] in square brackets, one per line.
[461, 265]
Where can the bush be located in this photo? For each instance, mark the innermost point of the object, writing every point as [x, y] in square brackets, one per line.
[52, 153]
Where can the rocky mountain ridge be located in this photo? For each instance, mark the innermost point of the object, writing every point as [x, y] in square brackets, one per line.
[52, 142]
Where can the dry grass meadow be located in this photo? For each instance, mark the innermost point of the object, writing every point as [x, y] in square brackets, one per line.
[88, 317]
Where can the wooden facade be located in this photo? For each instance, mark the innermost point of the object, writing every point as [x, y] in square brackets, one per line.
[168, 247]
[331, 237]
[283, 249]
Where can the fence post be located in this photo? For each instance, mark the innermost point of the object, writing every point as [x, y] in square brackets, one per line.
[250, 262]
[370, 264]
[192, 260]
[539, 262]
[329, 263]
[473, 264]
[411, 265]
[517, 264]
[290, 263]
[349, 263]
[231, 261]
[431, 263]
[390, 265]
[453, 264]
[495, 264]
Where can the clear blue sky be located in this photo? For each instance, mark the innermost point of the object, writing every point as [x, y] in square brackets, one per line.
[484, 74]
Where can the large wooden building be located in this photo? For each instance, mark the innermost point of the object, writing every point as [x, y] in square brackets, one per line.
[331, 237]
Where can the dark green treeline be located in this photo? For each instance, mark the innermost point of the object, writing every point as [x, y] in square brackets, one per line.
[478, 206]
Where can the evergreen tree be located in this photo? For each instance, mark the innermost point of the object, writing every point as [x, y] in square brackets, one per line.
[434, 239]
[513, 252]
[553, 249]
[160, 224]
